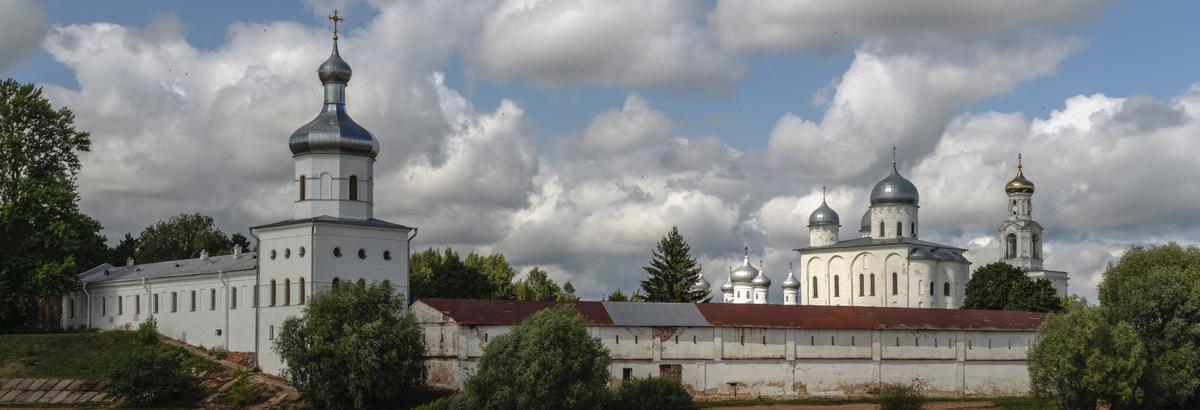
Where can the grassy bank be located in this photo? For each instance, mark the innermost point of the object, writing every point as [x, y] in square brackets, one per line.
[85, 355]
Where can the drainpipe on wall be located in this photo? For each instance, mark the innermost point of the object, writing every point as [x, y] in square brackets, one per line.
[149, 297]
[225, 290]
[254, 294]
[88, 297]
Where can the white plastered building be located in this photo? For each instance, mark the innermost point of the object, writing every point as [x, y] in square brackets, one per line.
[1021, 236]
[239, 301]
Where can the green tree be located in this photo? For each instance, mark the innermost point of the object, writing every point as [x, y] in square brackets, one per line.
[568, 293]
[1081, 360]
[549, 361]
[537, 285]
[353, 347]
[44, 238]
[181, 237]
[617, 296]
[653, 393]
[672, 272]
[125, 249]
[498, 272]
[1000, 286]
[238, 239]
[1156, 291]
[443, 274]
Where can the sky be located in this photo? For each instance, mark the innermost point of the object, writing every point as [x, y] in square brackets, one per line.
[573, 135]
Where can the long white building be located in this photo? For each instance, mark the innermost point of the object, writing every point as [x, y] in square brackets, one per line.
[723, 350]
[238, 301]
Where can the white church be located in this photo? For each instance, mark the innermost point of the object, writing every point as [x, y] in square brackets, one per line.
[857, 313]
[888, 265]
[238, 301]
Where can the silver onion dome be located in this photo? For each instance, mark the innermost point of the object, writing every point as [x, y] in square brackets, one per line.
[761, 280]
[701, 284]
[895, 189]
[728, 286]
[921, 253]
[790, 281]
[746, 272]
[864, 225]
[824, 215]
[333, 131]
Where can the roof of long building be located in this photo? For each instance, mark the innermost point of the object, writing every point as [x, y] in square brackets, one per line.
[224, 263]
[474, 312]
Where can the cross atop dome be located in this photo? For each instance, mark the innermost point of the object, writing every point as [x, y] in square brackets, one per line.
[335, 18]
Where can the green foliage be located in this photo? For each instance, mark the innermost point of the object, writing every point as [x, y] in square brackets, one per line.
[242, 392]
[44, 239]
[444, 274]
[537, 285]
[618, 296]
[181, 237]
[1081, 359]
[154, 375]
[498, 272]
[901, 397]
[147, 332]
[652, 394]
[353, 347]
[126, 248]
[1000, 286]
[77, 355]
[672, 272]
[549, 361]
[238, 239]
[1156, 291]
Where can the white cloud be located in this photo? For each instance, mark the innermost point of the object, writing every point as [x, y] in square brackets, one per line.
[25, 26]
[619, 131]
[633, 43]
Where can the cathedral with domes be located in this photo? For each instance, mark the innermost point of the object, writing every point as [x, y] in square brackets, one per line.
[888, 265]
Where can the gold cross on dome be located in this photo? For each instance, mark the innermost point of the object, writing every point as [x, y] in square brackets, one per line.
[335, 18]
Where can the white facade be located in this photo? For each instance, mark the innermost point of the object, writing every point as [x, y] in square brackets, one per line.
[239, 302]
[723, 362]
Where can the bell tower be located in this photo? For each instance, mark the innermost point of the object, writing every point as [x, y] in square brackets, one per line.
[1021, 236]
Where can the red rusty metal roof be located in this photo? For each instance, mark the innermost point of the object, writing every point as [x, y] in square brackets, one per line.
[475, 312]
[866, 318]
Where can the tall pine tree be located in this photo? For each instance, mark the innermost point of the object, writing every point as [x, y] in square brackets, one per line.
[672, 272]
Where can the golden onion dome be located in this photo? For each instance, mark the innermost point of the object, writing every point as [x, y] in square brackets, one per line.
[1019, 184]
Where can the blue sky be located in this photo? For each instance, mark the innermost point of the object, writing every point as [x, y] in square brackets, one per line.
[575, 143]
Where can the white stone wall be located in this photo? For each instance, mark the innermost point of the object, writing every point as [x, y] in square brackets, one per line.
[891, 215]
[852, 269]
[327, 186]
[125, 304]
[726, 362]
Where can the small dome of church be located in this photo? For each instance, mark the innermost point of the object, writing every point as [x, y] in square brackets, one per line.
[728, 286]
[790, 281]
[701, 285]
[824, 215]
[744, 273]
[333, 131]
[761, 281]
[1019, 184]
[864, 225]
[895, 189]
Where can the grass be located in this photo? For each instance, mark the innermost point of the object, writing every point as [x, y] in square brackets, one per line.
[1021, 403]
[82, 355]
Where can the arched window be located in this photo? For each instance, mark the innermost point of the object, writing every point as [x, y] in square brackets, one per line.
[880, 229]
[912, 229]
[272, 292]
[872, 284]
[899, 229]
[302, 188]
[353, 187]
[895, 285]
[212, 299]
[233, 298]
[931, 291]
[946, 289]
[837, 287]
[287, 292]
[860, 285]
[1012, 246]
[301, 291]
[921, 287]
[814, 287]
[1037, 247]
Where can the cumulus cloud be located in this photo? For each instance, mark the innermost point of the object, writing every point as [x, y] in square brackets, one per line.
[25, 26]
[634, 43]
[619, 131]
[783, 25]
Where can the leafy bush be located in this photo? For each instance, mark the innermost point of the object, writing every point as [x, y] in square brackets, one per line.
[147, 332]
[549, 361]
[354, 347]
[243, 391]
[653, 393]
[152, 375]
[900, 397]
